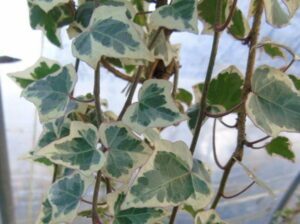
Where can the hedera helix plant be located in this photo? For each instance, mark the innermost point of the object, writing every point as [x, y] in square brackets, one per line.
[136, 176]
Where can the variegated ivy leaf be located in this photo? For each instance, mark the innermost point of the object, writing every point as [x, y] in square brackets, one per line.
[131, 215]
[78, 150]
[110, 34]
[296, 81]
[279, 12]
[179, 15]
[126, 152]
[281, 146]
[65, 195]
[170, 178]
[184, 96]
[273, 50]
[47, 5]
[208, 217]
[274, 103]
[45, 216]
[51, 93]
[155, 108]
[162, 49]
[207, 14]
[50, 22]
[42, 68]
[257, 180]
[239, 26]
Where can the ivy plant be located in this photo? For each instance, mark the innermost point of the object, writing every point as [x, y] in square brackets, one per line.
[135, 175]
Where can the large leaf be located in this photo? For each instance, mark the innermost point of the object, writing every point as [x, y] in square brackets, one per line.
[207, 14]
[65, 195]
[170, 178]
[208, 217]
[126, 152]
[131, 215]
[274, 103]
[39, 70]
[155, 108]
[281, 146]
[47, 5]
[49, 22]
[51, 94]
[78, 150]
[180, 15]
[110, 34]
[279, 14]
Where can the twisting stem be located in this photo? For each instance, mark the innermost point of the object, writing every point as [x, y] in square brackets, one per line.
[173, 215]
[229, 18]
[242, 113]
[239, 193]
[81, 100]
[227, 125]
[95, 216]
[256, 141]
[218, 115]
[77, 63]
[203, 105]
[55, 173]
[214, 146]
[175, 82]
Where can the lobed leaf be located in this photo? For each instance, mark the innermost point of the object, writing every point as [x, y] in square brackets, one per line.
[47, 5]
[126, 152]
[274, 103]
[42, 68]
[110, 34]
[170, 178]
[281, 146]
[208, 217]
[273, 51]
[155, 107]
[50, 94]
[179, 15]
[184, 96]
[78, 150]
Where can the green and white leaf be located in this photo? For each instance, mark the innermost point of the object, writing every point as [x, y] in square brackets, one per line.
[273, 50]
[184, 96]
[50, 94]
[274, 103]
[208, 217]
[281, 146]
[257, 180]
[78, 150]
[207, 14]
[47, 5]
[126, 152]
[45, 216]
[110, 34]
[162, 49]
[42, 68]
[169, 178]
[278, 14]
[296, 81]
[239, 26]
[65, 196]
[155, 107]
[50, 22]
[180, 15]
[131, 215]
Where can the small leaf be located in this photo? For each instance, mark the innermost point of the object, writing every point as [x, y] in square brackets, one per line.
[51, 93]
[257, 180]
[207, 14]
[155, 108]
[78, 150]
[274, 104]
[296, 81]
[42, 68]
[170, 178]
[282, 147]
[132, 215]
[65, 195]
[126, 152]
[45, 216]
[47, 5]
[179, 15]
[110, 34]
[184, 96]
[239, 26]
[278, 14]
[50, 22]
[273, 50]
[208, 217]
